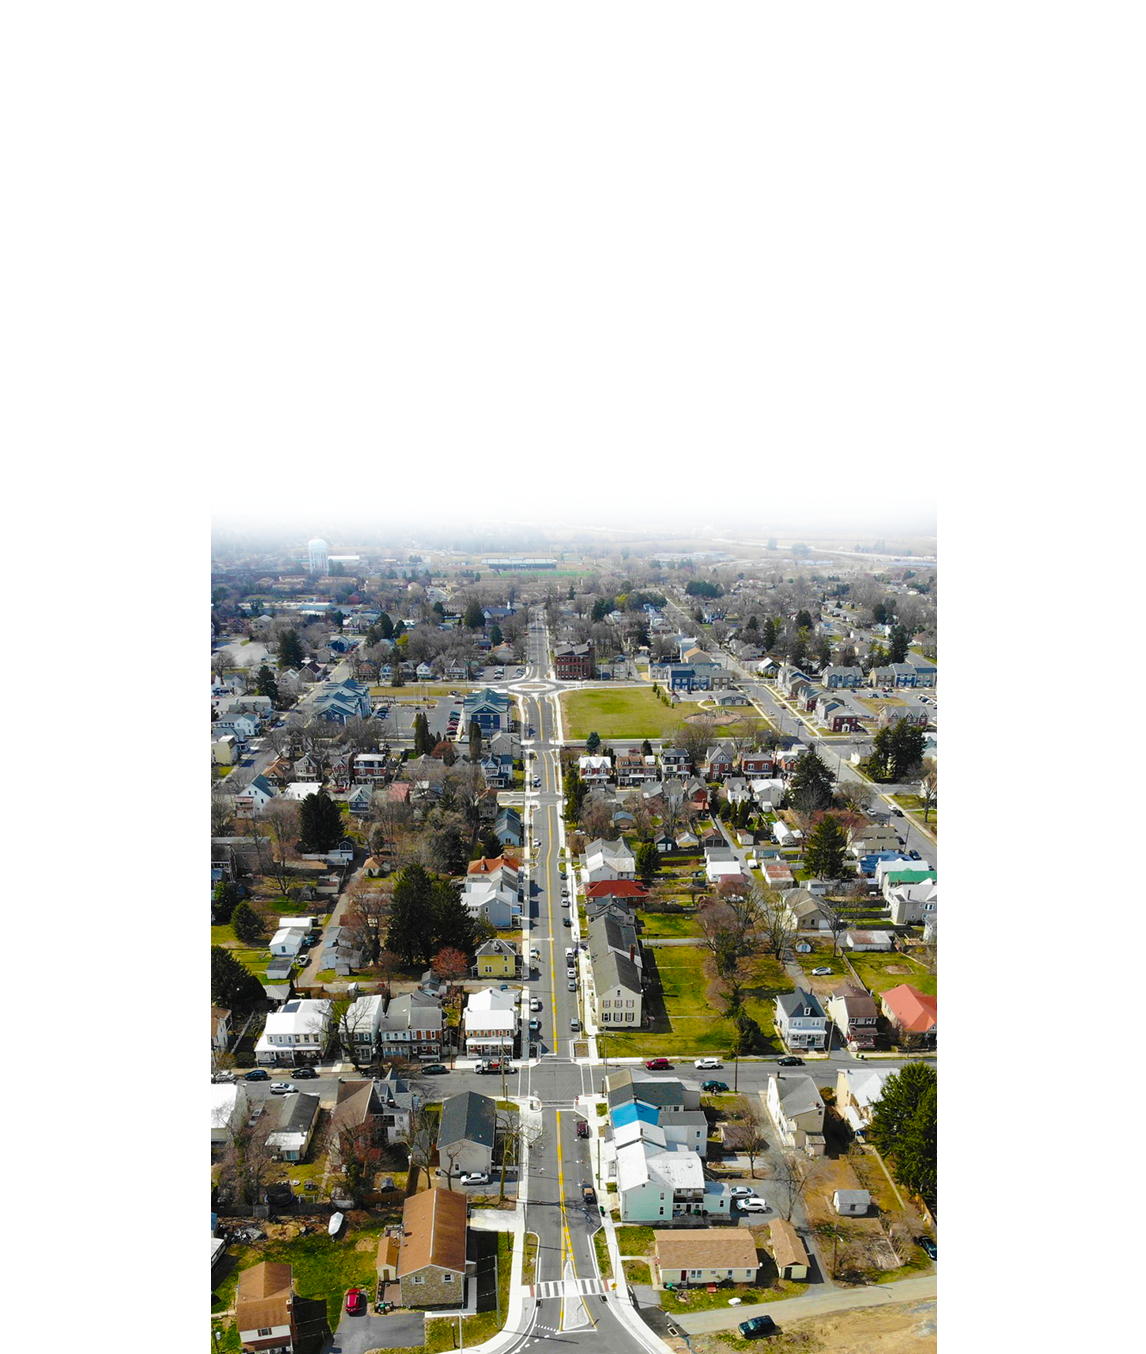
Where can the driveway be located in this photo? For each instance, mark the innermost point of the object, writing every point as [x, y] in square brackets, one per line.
[398, 1330]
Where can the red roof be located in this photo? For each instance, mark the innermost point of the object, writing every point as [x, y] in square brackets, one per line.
[487, 864]
[911, 1009]
[616, 888]
[398, 791]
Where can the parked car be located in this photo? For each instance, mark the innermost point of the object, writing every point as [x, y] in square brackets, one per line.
[588, 1194]
[754, 1205]
[702, 1063]
[535, 1024]
[820, 972]
[582, 1128]
[575, 1026]
[571, 985]
[658, 1065]
[897, 813]
[929, 1246]
[714, 1087]
[475, 1178]
[281, 1088]
[566, 921]
[258, 1074]
[435, 1069]
[305, 1073]
[915, 855]
[223, 1076]
[742, 1192]
[756, 1327]
[535, 1004]
[355, 1302]
[790, 1062]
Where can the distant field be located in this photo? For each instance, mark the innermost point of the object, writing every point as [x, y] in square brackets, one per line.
[876, 971]
[628, 712]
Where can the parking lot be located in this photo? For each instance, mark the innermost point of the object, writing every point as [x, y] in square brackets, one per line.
[398, 1330]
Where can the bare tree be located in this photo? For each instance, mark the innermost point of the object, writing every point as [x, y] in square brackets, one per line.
[222, 814]
[513, 1135]
[355, 1150]
[366, 918]
[837, 923]
[282, 821]
[792, 1176]
[929, 787]
[246, 1158]
[417, 1133]
[777, 923]
[747, 1132]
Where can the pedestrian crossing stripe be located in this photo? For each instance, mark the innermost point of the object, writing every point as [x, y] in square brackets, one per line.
[567, 1288]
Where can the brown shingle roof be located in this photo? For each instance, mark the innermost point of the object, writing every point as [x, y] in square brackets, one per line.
[787, 1248]
[263, 1297]
[714, 1248]
[433, 1232]
[389, 1250]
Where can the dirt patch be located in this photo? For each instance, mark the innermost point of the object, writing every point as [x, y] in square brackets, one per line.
[713, 719]
[898, 968]
[906, 1328]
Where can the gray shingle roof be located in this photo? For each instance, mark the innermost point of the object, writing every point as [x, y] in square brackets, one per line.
[469, 1116]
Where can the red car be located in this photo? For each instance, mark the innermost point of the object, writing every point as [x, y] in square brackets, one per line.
[658, 1065]
[582, 1128]
[355, 1301]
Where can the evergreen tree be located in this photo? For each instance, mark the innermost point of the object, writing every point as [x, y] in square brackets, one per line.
[410, 934]
[898, 641]
[439, 610]
[593, 742]
[291, 652]
[224, 900]
[826, 851]
[396, 678]
[803, 620]
[233, 987]
[489, 845]
[902, 1095]
[648, 862]
[915, 1155]
[453, 926]
[474, 616]
[265, 684]
[752, 623]
[495, 635]
[575, 791]
[646, 748]
[247, 923]
[768, 634]
[896, 751]
[320, 821]
[810, 788]
[799, 653]
[385, 626]
[475, 740]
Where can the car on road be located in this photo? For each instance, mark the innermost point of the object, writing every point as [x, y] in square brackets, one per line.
[535, 1004]
[658, 1065]
[742, 1192]
[575, 1026]
[753, 1205]
[582, 1128]
[304, 1073]
[475, 1178]
[756, 1327]
[564, 902]
[537, 782]
[281, 1088]
[259, 1074]
[929, 1246]
[915, 855]
[455, 693]
[820, 972]
[714, 1087]
[355, 1301]
[566, 921]
[897, 813]
[535, 953]
[535, 1024]
[571, 985]
[701, 1063]
[434, 1069]
[226, 1075]
[790, 1062]
[588, 1194]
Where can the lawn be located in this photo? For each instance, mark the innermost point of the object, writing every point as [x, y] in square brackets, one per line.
[683, 1020]
[876, 972]
[701, 1300]
[601, 1246]
[635, 1240]
[629, 712]
[913, 804]
[324, 1267]
[637, 1271]
[824, 959]
[668, 925]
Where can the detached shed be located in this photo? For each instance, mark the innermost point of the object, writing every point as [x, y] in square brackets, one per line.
[851, 1203]
[787, 1250]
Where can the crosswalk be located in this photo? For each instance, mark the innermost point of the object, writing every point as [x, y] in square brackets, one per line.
[568, 1288]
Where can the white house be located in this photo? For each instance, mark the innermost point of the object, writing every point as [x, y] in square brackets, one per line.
[858, 1093]
[656, 1185]
[301, 789]
[287, 940]
[913, 903]
[594, 769]
[495, 900]
[296, 1033]
[800, 1020]
[796, 1108]
[491, 1022]
[767, 791]
[782, 834]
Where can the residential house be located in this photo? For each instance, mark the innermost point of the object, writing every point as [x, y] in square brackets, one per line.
[296, 1034]
[432, 1256]
[808, 913]
[412, 1027]
[302, 789]
[617, 962]
[496, 959]
[925, 674]
[669, 1129]
[732, 698]
[466, 1133]
[497, 770]
[242, 728]
[608, 860]
[633, 767]
[797, 1109]
[224, 750]
[869, 940]
[253, 798]
[360, 800]
[756, 764]
[490, 1023]
[668, 1097]
[574, 662]
[495, 897]
[800, 1020]
[854, 1014]
[787, 1250]
[777, 875]
[874, 837]
[783, 835]
[298, 1114]
[360, 1028]
[507, 827]
[264, 1308]
[914, 903]
[608, 890]
[220, 1029]
[506, 744]
[857, 1094]
[287, 940]
[719, 761]
[594, 768]
[834, 677]
[704, 1256]
[767, 791]
[891, 875]
[912, 1013]
[658, 1185]
[675, 761]
[229, 1109]
[372, 1112]
[341, 950]
[368, 767]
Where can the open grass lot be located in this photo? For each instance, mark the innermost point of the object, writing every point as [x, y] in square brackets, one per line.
[881, 971]
[635, 1240]
[324, 1267]
[626, 712]
[684, 1019]
[668, 925]
[601, 1246]
[894, 1329]
[823, 959]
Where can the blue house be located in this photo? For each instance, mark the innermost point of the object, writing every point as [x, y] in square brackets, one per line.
[489, 708]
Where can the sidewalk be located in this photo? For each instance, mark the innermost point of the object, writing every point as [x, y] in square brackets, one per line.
[820, 1304]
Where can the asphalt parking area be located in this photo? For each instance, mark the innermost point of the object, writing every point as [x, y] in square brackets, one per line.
[396, 1330]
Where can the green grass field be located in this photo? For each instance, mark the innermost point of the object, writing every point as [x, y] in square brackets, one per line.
[668, 925]
[627, 712]
[874, 969]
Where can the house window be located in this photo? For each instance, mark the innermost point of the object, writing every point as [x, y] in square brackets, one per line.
[264, 1330]
[447, 1278]
[417, 1278]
